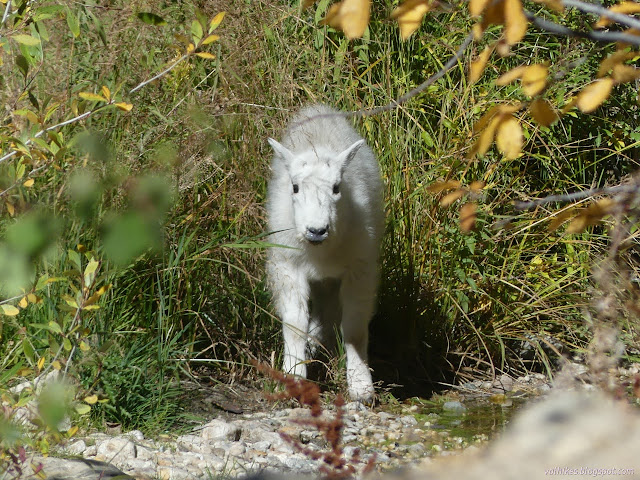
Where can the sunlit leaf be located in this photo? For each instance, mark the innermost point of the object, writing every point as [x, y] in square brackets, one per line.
[210, 39]
[625, 73]
[91, 399]
[40, 363]
[477, 66]
[216, 21]
[511, 76]
[409, 15]
[438, 187]
[449, 198]
[29, 183]
[468, 217]
[509, 137]
[82, 408]
[26, 40]
[106, 93]
[534, 79]
[56, 365]
[206, 55]
[90, 271]
[594, 94]
[191, 48]
[350, 16]
[151, 19]
[23, 303]
[72, 431]
[616, 58]
[515, 22]
[476, 7]
[124, 106]
[92, 97]
[542, 112]
[477, 186]
[9, 310]
[11, 209]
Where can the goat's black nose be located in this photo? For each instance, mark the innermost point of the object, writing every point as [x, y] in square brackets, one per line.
[316, 235]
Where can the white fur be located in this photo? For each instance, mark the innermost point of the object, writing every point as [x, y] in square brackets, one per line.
[334, 239]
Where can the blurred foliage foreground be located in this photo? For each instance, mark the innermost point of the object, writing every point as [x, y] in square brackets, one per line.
[133, 169]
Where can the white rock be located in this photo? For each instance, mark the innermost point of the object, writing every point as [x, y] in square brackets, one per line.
[220, 430]
[116, 450]
[77, 448]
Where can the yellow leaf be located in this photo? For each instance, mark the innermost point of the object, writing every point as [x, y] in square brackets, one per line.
[56, 365]
[84, 347]
[106, 93]
[624, 73]
[350, 16]
[29, 183]
[477, 186]
[11, 209]
[191, 48]
[476, 7]
[23, 303]
[515, 21]
[612, 60]
[478, 65]
[509, 138]
[210, 39]
[409, 15]
[468, 217]
[91, 399]
[82, 408]
[72, 431]
[449, 198]
[511, 76]
[9, 310]
[124, 106]
[624, 8]
[92, 97]
[32, 298]
[534, 79]
[438, 187]
[40, 363]
[206, 55]
[594, 94]
[542, 112]
[216, 21]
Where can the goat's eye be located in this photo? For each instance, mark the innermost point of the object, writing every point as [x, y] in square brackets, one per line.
[336, 189]
[296, 188]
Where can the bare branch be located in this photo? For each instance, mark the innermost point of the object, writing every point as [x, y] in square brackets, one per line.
[6, 13]
[594, 35]
[571, 197]
[621, 18]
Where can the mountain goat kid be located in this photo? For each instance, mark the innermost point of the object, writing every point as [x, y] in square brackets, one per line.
[326, 216]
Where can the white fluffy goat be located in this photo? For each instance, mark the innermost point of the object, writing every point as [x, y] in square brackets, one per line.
[326, 216]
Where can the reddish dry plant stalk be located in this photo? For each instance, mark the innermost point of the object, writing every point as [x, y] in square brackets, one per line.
[335, 466]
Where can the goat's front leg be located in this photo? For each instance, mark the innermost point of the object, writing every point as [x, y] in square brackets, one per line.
[291, 296]
[358, 295]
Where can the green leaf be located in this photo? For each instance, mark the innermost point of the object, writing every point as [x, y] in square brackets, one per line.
[27, 40]
[82, 408]
[74, 24]
[54, 327]
[90, 272]
[28, 351]
[151, 18]
[196, 31]
[92, 97]
[10, 310]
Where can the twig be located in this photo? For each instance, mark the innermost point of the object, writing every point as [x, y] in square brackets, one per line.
[627, 20]
[594, 35]
[6, 13]
[570, 197]
[155, 77]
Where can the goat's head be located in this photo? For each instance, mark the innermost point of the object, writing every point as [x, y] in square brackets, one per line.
[315, 187]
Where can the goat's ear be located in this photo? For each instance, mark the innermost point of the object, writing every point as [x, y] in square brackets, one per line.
[281, 151]
[345, 157]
